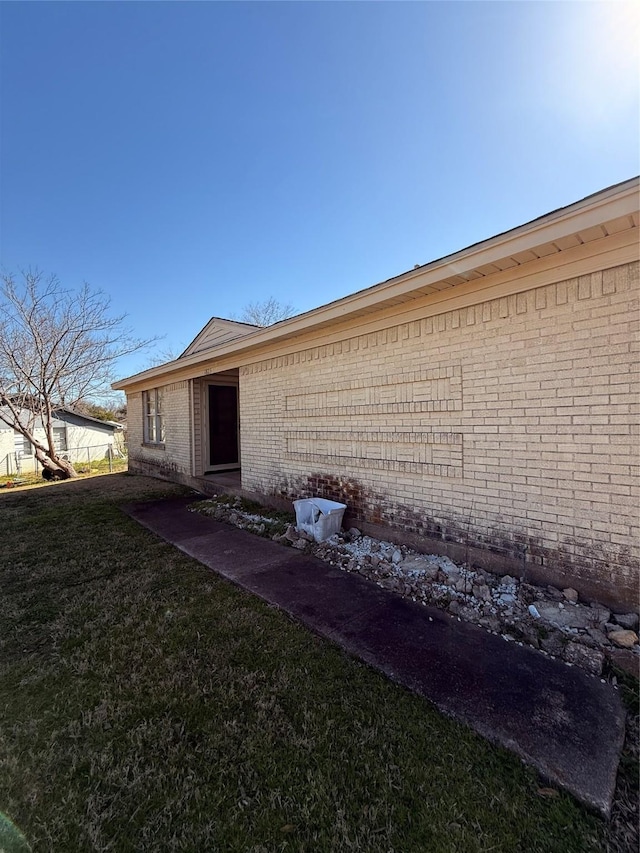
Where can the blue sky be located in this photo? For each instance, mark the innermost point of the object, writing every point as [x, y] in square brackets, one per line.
[189, 158]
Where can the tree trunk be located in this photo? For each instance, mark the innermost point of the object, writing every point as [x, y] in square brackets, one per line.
[54, 468]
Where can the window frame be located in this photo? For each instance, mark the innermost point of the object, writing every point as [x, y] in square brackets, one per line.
[60, 443]
[21, 445]
[153, 425]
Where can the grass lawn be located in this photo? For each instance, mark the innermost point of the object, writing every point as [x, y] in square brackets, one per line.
[88, 468]
[148, 705]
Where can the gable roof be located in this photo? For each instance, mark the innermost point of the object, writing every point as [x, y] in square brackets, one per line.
[64, 416]
[549, 241]
[25, 415]
[217, 331]
[76, 419]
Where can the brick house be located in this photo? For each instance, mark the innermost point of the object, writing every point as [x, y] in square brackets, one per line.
[482, 405]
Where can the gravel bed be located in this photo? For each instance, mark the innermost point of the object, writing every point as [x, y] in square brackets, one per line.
[553, 621]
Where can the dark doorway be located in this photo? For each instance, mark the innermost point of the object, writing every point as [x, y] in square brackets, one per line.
[223, 425]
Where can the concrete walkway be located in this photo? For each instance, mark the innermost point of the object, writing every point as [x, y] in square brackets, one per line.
[567, 724]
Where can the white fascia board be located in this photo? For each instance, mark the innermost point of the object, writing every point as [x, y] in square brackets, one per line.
[611, 203]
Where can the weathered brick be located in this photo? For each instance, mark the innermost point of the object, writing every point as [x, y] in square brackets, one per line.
[539, 455]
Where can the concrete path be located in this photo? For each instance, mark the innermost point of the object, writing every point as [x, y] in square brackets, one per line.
[567, 724]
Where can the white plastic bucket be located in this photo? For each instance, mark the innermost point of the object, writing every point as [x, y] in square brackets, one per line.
[319, 517]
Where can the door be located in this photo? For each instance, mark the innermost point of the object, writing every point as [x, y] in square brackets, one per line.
[223, 427]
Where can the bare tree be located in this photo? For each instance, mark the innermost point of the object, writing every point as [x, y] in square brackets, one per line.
[99, 411]
[267, 312]
[169, 353]
[57, 348]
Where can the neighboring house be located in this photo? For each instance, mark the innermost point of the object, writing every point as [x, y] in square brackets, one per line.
[482, 405]
[80, 438]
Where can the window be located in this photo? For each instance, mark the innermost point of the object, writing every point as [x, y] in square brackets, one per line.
[60, 439]
[153, 416]
[22, 446]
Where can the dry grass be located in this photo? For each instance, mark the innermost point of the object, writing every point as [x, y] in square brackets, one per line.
[92, 468]
[148, 705]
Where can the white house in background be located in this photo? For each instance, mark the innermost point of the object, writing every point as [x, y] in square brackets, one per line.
[79, 437]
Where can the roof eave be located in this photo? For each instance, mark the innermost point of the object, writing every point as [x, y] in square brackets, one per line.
[607, 204]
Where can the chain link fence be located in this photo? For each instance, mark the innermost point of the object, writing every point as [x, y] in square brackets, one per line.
[93, 458]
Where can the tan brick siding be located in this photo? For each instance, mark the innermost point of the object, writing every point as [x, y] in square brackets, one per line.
[510, 424]
[175, 456]
[198, 438]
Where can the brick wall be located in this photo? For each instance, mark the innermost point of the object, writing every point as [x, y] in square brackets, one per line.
[173, 460]
[508, 425]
